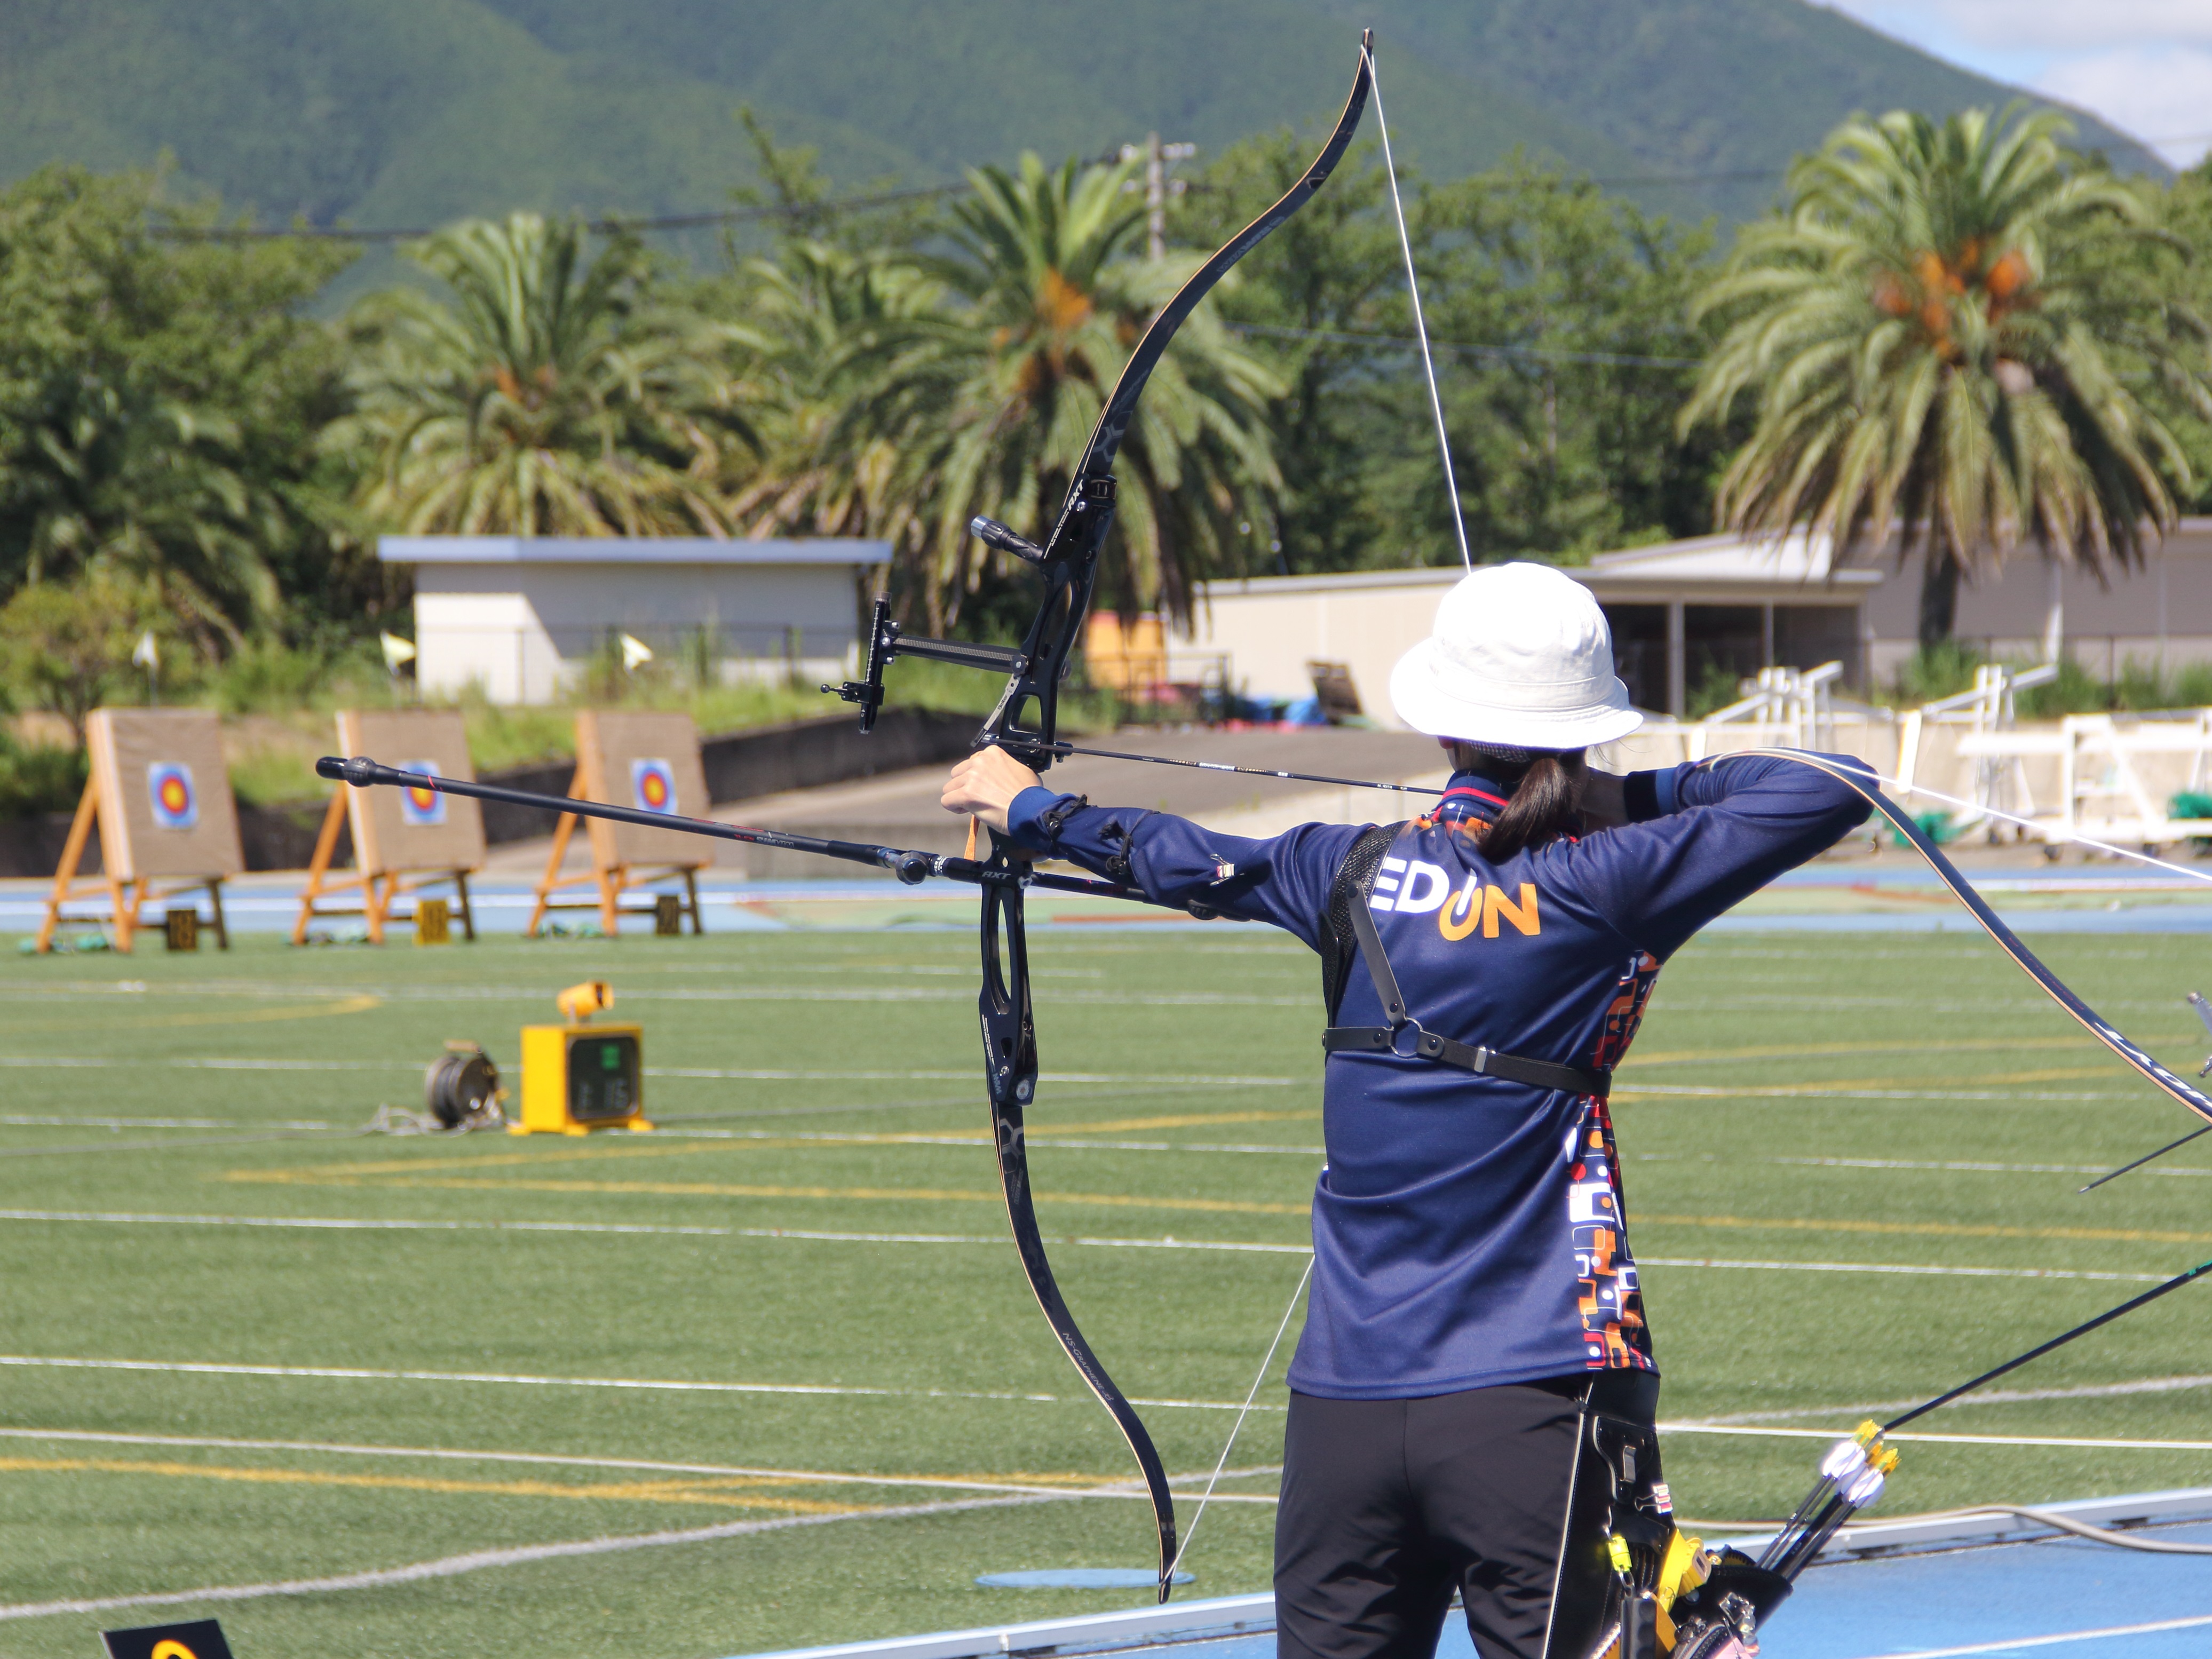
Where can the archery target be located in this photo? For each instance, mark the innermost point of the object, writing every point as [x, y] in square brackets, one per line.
[164, 793]
[420, 808]
[176, 803]
[653, 786]
[650, 762]
[404, 828]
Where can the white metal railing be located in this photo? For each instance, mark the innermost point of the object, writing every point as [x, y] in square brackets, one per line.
[2001, 779]
[1780, 708]
[2117, 774]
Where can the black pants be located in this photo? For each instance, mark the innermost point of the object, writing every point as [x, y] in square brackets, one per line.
[1389, 1505]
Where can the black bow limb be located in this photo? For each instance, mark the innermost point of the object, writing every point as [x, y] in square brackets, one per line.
[1026, 724]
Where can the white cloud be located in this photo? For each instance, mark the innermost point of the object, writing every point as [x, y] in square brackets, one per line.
[2143, 65]
[2016, 27]
[2159, 93]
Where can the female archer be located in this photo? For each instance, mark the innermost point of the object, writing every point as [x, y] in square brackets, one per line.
[1473, 1397]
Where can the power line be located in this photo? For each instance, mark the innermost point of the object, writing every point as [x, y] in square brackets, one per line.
[1465, 348]
[616, 224]
[606, 226]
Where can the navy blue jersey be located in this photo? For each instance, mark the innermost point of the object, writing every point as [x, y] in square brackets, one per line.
[1467, 1231]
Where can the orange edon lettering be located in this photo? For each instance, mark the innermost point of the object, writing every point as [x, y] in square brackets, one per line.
[1474, 903]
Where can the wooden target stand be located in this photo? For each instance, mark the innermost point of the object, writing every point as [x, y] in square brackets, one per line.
[159, 793]
[650, 762]
[404, 839]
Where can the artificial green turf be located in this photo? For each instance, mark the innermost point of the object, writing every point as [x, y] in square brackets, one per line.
[1196, 1121]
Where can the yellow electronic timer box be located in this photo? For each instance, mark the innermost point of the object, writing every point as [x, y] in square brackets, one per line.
[580, 1077]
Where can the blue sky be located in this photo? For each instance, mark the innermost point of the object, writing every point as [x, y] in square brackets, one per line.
[2143, 65]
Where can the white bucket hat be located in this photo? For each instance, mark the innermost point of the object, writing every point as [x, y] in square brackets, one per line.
[1519, 655]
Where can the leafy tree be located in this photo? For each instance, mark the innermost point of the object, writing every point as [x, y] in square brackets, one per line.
[160, 395]
[818, 311]
[1562, 414]
[545, 397]
[67, 647]
[986, 403]
[1300, 299]
[1537, 289]
[1945, 333]
[2185, 210]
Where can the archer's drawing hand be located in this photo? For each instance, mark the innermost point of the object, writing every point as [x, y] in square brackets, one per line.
[984, 786]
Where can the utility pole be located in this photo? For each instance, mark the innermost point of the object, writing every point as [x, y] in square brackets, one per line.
[1159, 186]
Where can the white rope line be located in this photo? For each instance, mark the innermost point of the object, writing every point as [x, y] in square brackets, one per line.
[1421, 322]
[1222, 1463]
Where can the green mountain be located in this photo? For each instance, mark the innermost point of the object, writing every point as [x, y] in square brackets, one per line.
[408, 113]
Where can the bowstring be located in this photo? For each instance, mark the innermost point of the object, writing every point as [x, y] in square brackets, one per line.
[1229, 1445]
[1421, 322]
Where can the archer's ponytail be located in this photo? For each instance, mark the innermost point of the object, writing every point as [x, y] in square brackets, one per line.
[1546, 800]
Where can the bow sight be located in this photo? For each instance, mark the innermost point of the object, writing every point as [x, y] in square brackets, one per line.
[1069, 559]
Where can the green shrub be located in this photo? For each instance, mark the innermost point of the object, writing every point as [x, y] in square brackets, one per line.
[38, 778]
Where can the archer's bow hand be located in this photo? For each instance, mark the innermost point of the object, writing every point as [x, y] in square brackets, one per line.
[984, 786]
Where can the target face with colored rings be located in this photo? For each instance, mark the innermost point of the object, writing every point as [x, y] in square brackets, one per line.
[176, 802]
[653, 786]
[420, 808]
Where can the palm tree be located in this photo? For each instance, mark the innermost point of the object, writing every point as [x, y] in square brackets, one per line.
[818, 310]
[988, 403]
[545, 397]
[1949, 332]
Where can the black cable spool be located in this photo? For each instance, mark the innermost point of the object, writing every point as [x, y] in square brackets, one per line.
[461, 1086]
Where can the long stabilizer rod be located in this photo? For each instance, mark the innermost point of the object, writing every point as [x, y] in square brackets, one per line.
[908, 865]
[2059, 1341]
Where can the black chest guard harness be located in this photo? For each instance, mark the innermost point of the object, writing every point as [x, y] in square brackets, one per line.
[1349, 929]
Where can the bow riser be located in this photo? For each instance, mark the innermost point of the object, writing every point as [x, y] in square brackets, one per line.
[1047, 656]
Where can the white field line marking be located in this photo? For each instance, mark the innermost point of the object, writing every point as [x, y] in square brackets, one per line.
[810, 1477]
[968, 1138]
[727, 1073]
[366, 1374]
[1984, 1397]
[1193, 1078]
[2190, 1171]
[534, 994]
[1902, 1270]
[1815, 1091]
[348, 1224]
[453, 1565]
[2051, 1641]
[25, 1120]
[1946, 1439]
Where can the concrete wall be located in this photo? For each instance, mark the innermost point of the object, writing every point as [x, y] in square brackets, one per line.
[523, 631]
[1265, 632]
[2162, 612]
